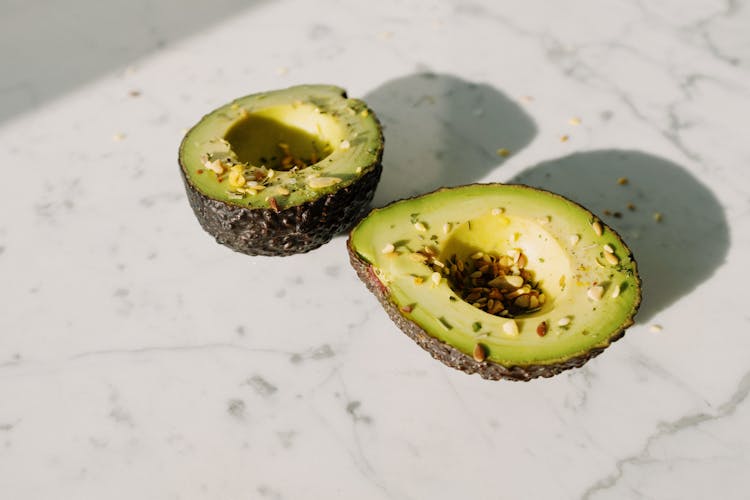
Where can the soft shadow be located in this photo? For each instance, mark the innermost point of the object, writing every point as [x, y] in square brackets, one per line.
[441, 130]
[49, 48]
[675, 255]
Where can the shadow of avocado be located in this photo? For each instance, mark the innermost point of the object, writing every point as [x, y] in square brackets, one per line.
[441, 130]
[675, 255]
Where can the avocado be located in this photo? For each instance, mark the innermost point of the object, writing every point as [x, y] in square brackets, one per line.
[507, 281]
[282, 172]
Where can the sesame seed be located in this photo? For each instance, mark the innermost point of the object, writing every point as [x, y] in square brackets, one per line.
[656, 328]
[510, 328]
[597, 227]
[565, 321]
[575, 121]
[389, 248]
[623, 181]
[658, 216]
[479, 354]
[616, 291]
[595, 292]
[608, 248]
[322, 182]
[419, 226]
[504, 152]
[611, 258]
[564, 138]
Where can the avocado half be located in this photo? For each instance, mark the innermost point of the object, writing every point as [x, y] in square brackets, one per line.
[507, 281]
[282, 172]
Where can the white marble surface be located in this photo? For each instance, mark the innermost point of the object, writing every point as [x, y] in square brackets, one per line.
[138, 359]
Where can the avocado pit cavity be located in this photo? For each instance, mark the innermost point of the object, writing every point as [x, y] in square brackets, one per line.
[281, 138]
[500, 285]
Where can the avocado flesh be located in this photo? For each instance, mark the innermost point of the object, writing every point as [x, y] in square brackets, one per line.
[495, 218]
[281, 172]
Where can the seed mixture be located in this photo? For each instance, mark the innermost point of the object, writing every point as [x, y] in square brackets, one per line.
[497, 284]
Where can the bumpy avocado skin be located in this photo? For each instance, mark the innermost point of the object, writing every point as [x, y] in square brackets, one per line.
[450, 356]
[296, 229]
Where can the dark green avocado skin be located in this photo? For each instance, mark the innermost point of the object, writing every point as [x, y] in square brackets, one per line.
[296, 229]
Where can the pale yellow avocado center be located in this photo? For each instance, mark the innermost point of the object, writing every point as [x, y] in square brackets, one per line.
[525, 250]
[284, 137]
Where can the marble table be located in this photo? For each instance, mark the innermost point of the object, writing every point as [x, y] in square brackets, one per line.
[139, 359]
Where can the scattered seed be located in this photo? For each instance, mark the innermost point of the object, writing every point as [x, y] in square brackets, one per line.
[480, 353]
[565, 321]
[564, 138]
[134, 93]
[574, 238]
[631, 206]
[611, 258]
[118, 137]
[274, 205]
[597, 227]
[510, 328]
[281, 71]
[541, 329]
[419, 226]
[595, 292]
[418, 257]
[216, 166]
[523, 302]
[658, 216]
[389, 248]
[514, 281]
[322, 182]
[656, 328]
[622, 181]
[504, 152]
